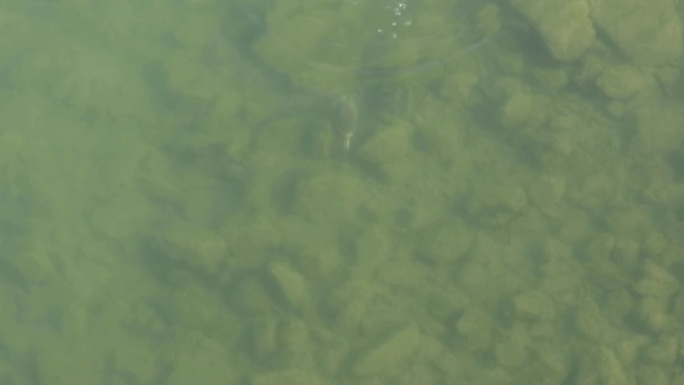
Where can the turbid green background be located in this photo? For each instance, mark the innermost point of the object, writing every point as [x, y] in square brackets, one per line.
[175, 207]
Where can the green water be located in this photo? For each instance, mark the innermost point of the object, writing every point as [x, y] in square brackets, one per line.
[176, 207]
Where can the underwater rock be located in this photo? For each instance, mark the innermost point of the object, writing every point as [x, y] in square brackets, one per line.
[390, 353]
[622, 82]
[330, 198]
[188, 247]
[533, 305]
[649, 33]
[657, 282]
[390, 150]
[291, 285]
[658, 129]
[564, 25]
[446, 242]
[547, 194]
[287, 377]
[350, 303]
[496, 205]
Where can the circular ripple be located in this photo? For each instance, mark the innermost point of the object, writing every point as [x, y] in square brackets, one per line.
[324, 43]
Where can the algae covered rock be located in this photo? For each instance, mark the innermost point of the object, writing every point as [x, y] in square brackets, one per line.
[57, 366]
[564, 25]
[622, 82]
[186, 245]
[390, 150]
[137, 360]
[253, 295]
[567, 30]
[600, 366]
[350, 303]
[373, 248]
[534, 305]
[658, 129]
[190, 78]
[496, 205]
[655, 314]
[655, 244]
[590, 321]
[201, 357]
[390, 353]
[197, 30]
[330, 198]
[288, 377]
[547, 194]
[664, 351]
[37, 265]
[121, 216]
[291, 285]
[318, 255]
[445, 242]
[657, 282]
[263, 336]
[512, 352]
[517, 109]
[610, 368]
[649, 33]
[475, 328]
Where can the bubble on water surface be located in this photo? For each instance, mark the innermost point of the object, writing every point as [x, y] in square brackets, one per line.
[352, 40]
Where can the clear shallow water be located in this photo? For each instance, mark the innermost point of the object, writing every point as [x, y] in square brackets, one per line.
[517, 220]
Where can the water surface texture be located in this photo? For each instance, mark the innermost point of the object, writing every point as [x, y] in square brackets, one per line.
[179, 203]
[339, 41]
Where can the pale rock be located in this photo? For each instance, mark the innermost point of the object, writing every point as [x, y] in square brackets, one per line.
[611, 370]
[567, 30]
[534, 305]
[657, 282]
[390, 353]
[648, 32]
[622, 82]
[291, 284]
